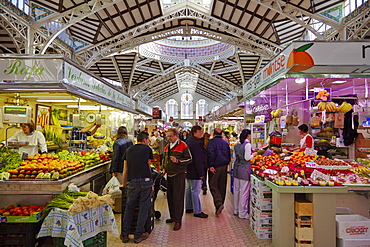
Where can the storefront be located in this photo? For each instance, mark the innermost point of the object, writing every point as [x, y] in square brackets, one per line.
[318, 84]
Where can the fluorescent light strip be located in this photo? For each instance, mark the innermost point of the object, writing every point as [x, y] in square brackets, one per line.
[338, 82]
[60, 100]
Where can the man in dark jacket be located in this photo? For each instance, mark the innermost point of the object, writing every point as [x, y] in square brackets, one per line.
[218, 158]
[195, 174]
[176, 158]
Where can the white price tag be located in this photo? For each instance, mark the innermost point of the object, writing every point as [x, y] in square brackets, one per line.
[287, 158]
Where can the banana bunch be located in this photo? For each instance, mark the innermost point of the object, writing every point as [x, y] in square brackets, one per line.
[276, 113]
[344, 107]
[362, 172]
[327, 106]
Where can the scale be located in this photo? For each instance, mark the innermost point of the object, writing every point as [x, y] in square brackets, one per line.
[15, 115]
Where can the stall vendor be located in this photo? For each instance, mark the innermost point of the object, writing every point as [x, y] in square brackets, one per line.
[28, 134]
[79, 133]
[306, 140]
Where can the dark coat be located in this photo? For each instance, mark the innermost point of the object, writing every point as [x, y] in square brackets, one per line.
[119, 148]
[179, 151]
[218, 152]
[349, 134]
[196, 167]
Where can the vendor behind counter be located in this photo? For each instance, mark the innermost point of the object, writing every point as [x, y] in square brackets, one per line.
[34, 138]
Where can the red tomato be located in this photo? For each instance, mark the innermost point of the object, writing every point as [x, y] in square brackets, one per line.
[18, 212]
[26, 213]
[10, 207]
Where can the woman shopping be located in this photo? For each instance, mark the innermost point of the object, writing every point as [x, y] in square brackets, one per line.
[242, 172]
[34, 138]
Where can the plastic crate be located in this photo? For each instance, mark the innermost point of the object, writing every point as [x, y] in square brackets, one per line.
[19, 234]
[99, 240]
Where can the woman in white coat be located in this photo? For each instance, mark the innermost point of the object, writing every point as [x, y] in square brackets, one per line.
[34, 138]
[241, 173]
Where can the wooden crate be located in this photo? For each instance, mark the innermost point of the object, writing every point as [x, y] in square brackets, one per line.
[304, 234]
[299, 243]
[304, 221]
[303, 207]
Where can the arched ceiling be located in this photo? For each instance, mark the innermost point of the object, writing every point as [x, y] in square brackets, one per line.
[104, 35]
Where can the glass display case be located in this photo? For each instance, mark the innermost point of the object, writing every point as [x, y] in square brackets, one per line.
[258, 134]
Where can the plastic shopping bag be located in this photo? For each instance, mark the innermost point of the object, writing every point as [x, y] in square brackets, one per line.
[112, 187]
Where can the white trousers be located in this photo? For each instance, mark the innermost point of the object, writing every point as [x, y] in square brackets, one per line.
[241, 198]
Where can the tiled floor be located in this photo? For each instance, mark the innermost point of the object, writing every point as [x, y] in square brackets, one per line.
[225, 230]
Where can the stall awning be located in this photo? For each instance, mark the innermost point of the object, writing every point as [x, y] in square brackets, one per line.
[50, 73]
[312, 60]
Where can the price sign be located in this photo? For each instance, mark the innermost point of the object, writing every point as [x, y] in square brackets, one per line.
[311, 165]
[316, 174]
[287, 158]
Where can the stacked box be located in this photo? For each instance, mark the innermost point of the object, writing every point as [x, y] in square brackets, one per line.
[260, 209]
[261, 231]
[303, 210]
[353, 230]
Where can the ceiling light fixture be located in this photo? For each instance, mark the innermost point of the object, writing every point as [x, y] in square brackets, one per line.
[339, 82]
[300, 80]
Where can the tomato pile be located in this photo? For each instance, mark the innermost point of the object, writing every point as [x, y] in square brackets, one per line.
[14, 210]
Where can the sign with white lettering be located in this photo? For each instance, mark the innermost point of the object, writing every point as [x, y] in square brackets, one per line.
[144, 107]
[30, 70]
[77, 78]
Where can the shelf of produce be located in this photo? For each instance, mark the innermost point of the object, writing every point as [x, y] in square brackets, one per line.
[51, 186]
[306, 189]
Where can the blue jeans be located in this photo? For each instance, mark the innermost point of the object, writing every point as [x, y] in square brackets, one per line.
[192, 191]
[141, 189]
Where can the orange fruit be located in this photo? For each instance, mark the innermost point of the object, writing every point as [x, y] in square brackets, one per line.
[299, 56]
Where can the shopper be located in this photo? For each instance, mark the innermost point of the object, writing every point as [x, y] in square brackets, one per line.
[137, 179]
[158, 145]
[184, 136]
[176, 158]
[195, 173]
[81, 134]
[227, 137]
[306, 142]
[204, 140]
[121, 144]
[33, 137]
[218, 158]
[241, 173]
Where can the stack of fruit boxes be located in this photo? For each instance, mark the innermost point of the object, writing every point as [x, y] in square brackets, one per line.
[303, 210]
[260, 209]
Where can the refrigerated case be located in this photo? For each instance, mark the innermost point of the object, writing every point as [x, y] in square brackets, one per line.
[258, 134]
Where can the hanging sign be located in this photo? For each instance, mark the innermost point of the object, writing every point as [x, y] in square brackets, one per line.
[156, 113]
[171, 119]
[263, 110]
[200, 118]
[322, 94]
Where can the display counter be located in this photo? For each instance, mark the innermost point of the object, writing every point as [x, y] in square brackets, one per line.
[38, 192]
[283, 218]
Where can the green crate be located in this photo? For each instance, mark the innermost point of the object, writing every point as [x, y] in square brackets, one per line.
[99, 240]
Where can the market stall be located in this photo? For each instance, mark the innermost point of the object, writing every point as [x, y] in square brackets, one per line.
[324, 85]
[59, 97]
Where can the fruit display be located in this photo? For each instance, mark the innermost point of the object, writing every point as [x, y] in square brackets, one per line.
[64, 164]
[327, 106]
[322, 161]
[22, 210]
[362, 172]
[344, 107]
[276, 113]
[326, 132]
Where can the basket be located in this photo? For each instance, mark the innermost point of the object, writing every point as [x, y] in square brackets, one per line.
[99, 240]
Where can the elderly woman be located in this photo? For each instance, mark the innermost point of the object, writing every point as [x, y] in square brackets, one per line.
[33, 137]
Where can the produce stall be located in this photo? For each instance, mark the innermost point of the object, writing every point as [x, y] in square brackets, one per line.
[324, 85]
[57, 95]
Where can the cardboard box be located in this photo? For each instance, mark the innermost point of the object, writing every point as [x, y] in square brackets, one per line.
[261, 203]
[32, 218]
[353, 242]
[361, 142]
[259, 186]
[262, 232]
[304, 234]
[261, 193]
[353, 226]
[303, 244]
[261, 217]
